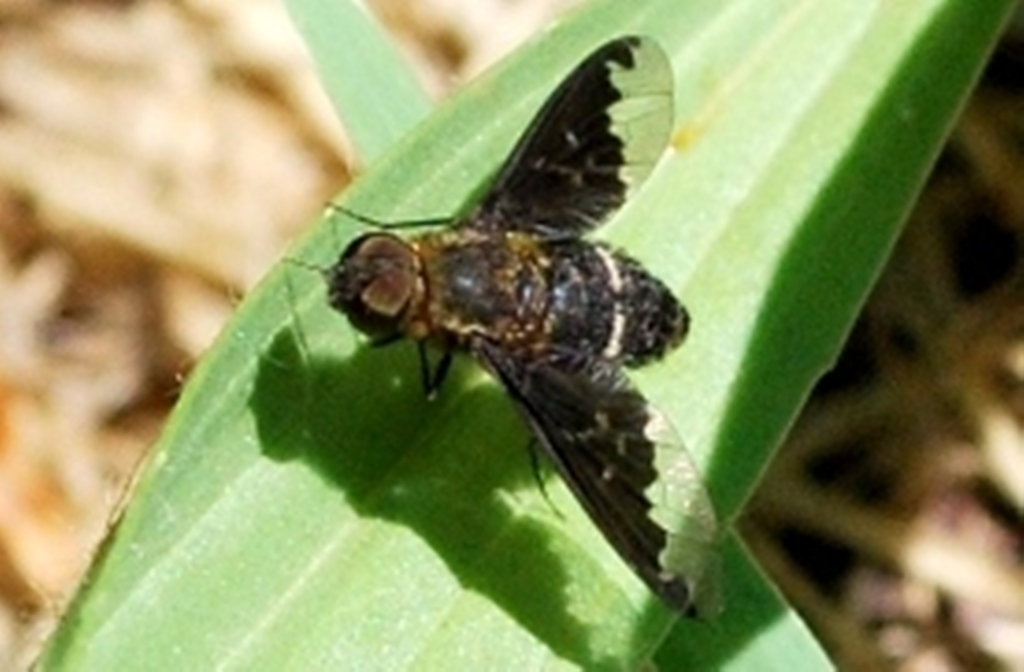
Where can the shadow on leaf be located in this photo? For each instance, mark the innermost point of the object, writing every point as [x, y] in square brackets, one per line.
[438, 467]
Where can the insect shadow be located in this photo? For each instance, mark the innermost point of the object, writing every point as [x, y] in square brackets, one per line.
[363, 423]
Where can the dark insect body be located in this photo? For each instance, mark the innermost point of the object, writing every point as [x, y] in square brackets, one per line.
[567, 301]
[555, 317]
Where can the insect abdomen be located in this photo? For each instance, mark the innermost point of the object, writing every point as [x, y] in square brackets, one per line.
[655, 321]
[604, 304]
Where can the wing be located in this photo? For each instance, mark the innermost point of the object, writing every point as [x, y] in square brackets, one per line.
[626, 467]
[595, 140]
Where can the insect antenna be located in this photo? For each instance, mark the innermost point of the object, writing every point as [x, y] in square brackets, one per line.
[387, 226]
[308, 265]
[322, 271]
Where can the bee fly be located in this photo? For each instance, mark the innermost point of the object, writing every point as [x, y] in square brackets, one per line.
[555, 318]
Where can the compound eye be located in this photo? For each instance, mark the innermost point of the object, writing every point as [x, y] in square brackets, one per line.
[374, 283]
[392, 277]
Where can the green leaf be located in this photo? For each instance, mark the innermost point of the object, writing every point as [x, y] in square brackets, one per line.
[307, 508]
[373, 91]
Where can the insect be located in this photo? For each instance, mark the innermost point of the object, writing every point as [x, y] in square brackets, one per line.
[555, 318]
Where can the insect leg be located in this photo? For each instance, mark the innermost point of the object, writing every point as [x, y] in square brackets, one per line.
[387, 340]
[440, 373]
[531, 447]
[387, 226]
[432, 380]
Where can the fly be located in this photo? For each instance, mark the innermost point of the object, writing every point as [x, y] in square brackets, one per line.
[556, 318]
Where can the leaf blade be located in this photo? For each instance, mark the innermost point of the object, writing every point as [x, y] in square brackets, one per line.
[373, 91]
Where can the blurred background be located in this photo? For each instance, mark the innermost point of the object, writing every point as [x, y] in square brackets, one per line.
[157, 157]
